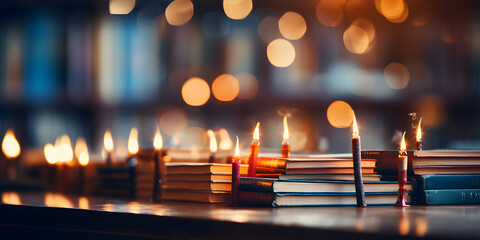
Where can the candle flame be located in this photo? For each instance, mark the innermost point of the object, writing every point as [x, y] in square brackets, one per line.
[419, 130]
[108, 141]
[10, 146]
[403, 146]
[225, 141]
[83, 158]
[50, 155]
[133, 141]
[157, 140]
[11, 198]
[355, 132]
[237, 149]
[213, 141]
[286, 135]
[65, 151]
[80, 146]
[256, 133]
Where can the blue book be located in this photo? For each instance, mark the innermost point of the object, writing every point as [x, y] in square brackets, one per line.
[447, 182]
[313, 186]
[447, 197]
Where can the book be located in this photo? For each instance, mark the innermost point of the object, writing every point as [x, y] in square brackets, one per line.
[434, 170]
[329, 171]
[311, 162]
[196, 196]
[202, 168]
[336, 177]
[314, 199]
[444, 161]
[447, 197]
[448, 153]
[310, 186]
[208, 186]
[447, 182]
[198, 177]
[387, 161]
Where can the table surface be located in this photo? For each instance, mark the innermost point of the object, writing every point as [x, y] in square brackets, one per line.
[194, 220]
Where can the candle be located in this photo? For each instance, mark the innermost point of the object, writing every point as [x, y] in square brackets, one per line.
[419, 135]
[158, 158]
[213, 145]
[357, 165]
[132, 147]
[108, 144]
[11, 150]
[235, 175]
[285, 142]
[252, 160]
[81, 154]
[402, 174]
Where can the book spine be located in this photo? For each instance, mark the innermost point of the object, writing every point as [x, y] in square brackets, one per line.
[447, 182]
[256, 185]
[256, 198]
[271, 163]
[448, 197]
[269, 170]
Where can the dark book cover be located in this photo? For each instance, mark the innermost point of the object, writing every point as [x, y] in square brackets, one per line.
[387, 161]
[447, 182]
[250, 184]
[447, 197]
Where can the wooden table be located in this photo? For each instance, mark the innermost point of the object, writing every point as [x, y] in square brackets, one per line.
[55, 216]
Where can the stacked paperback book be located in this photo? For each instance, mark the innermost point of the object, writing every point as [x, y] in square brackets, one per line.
[198, 182]
[322, 180]
[446, 177]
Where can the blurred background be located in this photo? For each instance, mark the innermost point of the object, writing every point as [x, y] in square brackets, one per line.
[81, 67]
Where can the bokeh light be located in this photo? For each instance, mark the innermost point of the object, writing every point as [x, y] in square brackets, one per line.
[121, 6]
[434, 107]
[280, 53]
[225, 87]
[237, 9]
[340, 114]
[248, 85]
[395, 11]
[292, 25]
[397, 75]
[356, 39]
[195, 91]
[268, 29]
[173, 120]
[330, 12]
[179, 12]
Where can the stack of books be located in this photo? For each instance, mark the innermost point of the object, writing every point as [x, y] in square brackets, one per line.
[122, 181]
[320, 180]
[198, 182]
[446, 177]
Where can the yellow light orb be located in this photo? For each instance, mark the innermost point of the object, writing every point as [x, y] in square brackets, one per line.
[248, 85]
[356, 39]
[10, 146]
[237, 9]
[179, 12]
[292, 25]
[340, 114]
[280, 53]
[195, 91]
[225, 87]
[121, 6]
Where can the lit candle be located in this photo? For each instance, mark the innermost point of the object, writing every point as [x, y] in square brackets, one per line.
[357, 165]
[158, 158]
[285, 142]
[132, 147]
[235, 175]
[402, 174]
[64, 150]
[83, 160]
[419, 135]
[108, 144]
[213, 146]
[252, 160]
[11, 150]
